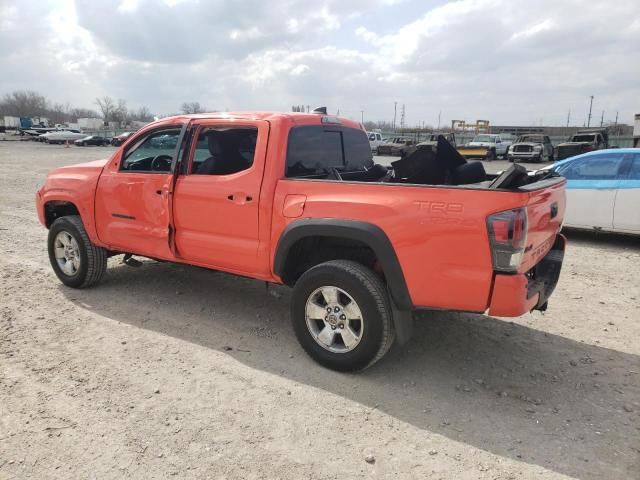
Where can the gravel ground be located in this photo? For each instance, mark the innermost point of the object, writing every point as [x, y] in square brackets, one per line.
[169, 371]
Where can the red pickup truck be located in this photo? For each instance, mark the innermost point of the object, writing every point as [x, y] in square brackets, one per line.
[296, 199]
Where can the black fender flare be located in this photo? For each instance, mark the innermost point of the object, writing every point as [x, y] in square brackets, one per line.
[367, 233]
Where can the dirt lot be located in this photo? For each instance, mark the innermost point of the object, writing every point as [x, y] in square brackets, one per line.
[167, 371]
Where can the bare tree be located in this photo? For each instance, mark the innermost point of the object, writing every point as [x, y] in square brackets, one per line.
[143, 114]
[107, 107]
[76, 113]
[192, 107]
[121, 112]
[58, 114]
[23, 103]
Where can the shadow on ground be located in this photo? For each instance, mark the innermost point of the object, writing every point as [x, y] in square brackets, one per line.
[505, 388]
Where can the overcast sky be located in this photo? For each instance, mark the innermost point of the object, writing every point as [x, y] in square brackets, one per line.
[508, 61]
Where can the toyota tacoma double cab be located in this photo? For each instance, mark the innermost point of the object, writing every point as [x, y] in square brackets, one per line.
[295, 199]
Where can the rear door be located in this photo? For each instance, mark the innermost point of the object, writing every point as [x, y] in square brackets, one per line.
[591, 190]
[215, 206]
[626, 215]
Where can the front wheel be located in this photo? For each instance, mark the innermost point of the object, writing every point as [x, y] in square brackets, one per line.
[342, 316]
[76, 261]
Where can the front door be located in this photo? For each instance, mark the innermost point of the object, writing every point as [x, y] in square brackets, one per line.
[626, 215]
[216, 200]
[132, 197]
[591, 190]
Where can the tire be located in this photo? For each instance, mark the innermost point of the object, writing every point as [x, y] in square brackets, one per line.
[354, 283]
[92, 259]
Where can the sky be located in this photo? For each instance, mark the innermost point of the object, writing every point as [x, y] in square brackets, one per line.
[506, 61]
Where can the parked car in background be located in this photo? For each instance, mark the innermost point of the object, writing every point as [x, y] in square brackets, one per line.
[583, 141]
[485, 145]
[93, 140]
[120, 139]
[531, 148]
[375, 140]
[395, 146]
[432, 141]
[603, 190]
[61, 136]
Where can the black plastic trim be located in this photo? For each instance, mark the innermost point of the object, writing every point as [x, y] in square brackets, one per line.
[367, 233]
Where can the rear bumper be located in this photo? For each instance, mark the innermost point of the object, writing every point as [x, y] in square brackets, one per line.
[515, 295]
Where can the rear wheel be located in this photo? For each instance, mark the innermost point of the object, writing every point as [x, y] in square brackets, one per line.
[76, 261]
[342, 316]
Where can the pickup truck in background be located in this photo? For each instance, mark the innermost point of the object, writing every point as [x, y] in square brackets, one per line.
[532, 147]
[395, 146]
[485, 145]
[583, 141]
[375, 140]
[295, 199]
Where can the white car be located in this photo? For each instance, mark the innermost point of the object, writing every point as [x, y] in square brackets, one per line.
[603, 190]
[496, 144]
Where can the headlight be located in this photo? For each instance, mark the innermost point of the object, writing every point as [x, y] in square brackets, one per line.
[537, 148]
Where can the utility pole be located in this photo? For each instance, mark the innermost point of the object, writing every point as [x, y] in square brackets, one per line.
[589, 117]
[395, 111]
[402, 119]
[439, 113]
[362, 116]
[602, 119]
[568, 117]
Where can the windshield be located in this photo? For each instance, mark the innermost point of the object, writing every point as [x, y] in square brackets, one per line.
[530, 138]
[583, 138]
[484, 138]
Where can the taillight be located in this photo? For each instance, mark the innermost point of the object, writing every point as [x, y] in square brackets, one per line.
[507, 238]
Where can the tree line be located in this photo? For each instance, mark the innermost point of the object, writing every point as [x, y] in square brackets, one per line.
[28, 103]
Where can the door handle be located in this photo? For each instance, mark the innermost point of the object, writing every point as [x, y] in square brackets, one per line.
[239, 198]
[164, 192]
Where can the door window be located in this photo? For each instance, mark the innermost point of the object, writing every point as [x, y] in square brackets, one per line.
[599, 167]
[223, 151]
[152, 154]
[314, 150]
[634, 171]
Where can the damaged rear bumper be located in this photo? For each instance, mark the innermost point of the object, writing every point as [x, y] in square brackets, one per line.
[515, 295]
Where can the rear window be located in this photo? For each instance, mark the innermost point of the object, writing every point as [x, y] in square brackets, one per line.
[314, 150]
